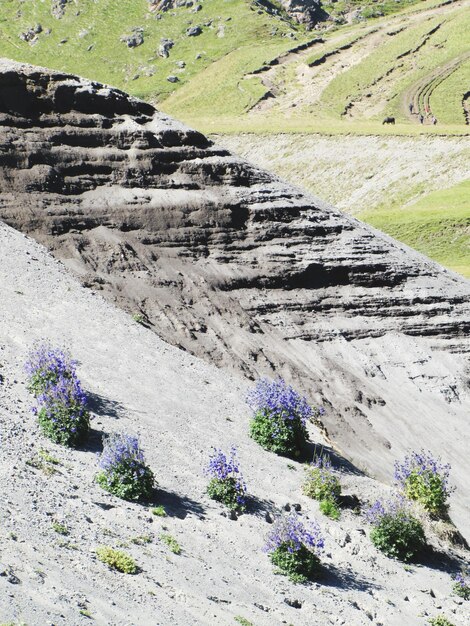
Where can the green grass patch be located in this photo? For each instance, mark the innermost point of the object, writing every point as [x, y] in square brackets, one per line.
[117, 559]
[438, 225]
[171, 543]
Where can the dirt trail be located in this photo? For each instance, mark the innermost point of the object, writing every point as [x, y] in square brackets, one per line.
[292, 82]
[419, 94]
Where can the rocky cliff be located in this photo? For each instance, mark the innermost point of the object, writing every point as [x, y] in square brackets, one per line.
[230, 263]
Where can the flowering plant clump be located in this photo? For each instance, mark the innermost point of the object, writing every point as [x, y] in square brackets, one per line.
[61, 403]
[45, 366]
[461, 586]
[426, 480]
[226, 484]
[321, 484]
[295, 548]
[394, 530]
[124, 472]
[280, 416]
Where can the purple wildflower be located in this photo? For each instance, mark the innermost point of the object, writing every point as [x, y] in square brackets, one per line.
[123, 469]
[61, 402]
[461, 586]
[425, 479]
[46, 365]
[226, 484]
[290, 532]
[279, 399]
[382, 509]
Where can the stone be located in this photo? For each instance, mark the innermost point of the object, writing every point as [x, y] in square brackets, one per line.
[135, 39]
[164, 48]
[194, 31]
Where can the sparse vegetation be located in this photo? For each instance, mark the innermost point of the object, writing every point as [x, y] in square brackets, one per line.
[117, 559]
[280, 417]
[321, 484]
[124, 472]
[242, 621]
[330, 508]
[425, 480]
[141, 540]
[440, 620]
[62, 405]
[461, 586]
[295, 548]
[159, 511]
[171, 543]
[226, 481]
[59, 528]
[395, 531]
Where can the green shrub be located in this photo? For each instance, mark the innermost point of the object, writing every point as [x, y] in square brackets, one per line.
[226, 484]
[295, 548]
[171, 542]
[395, 531]
[61, 529]
[330, 508]
[320, 483]
[124, 472]
[242, 620]
[425, 479]
[280, 417]
[461, 586]
[116, 559]
[439, 620]
[159, 511]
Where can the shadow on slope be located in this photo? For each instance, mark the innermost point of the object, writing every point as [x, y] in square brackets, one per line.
[102, 406]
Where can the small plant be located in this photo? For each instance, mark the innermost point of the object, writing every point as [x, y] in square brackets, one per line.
[139, 318]
[242, 620]
[141, 540]
[61, 529]
[159, 511]
[62, 412]
[53, 381]
[425, 479]
[330, 508]
[44, 462]
[321, 484]
[461, 586]
[226, 484]
[280, 417]
[171, 542]
[439, 620]
[116, 559]
[124, 472]
[46, 366]
[394, 530]
[295, 548]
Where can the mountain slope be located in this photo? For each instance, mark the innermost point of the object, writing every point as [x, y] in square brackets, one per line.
[248, 56]
[179, 407]
[235, 266]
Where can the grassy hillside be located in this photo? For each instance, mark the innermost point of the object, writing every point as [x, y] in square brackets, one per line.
[87, 39]
[357, 71]
[437, 225]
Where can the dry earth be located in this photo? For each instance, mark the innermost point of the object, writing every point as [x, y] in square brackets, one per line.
[179, 407]
[232, 264]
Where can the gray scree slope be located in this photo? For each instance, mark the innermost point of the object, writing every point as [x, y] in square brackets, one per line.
[232, 264]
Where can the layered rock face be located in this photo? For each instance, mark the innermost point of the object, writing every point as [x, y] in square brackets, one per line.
[230, 263]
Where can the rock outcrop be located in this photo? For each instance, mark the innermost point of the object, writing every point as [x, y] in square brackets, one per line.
[308, 12]
[230, 263]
